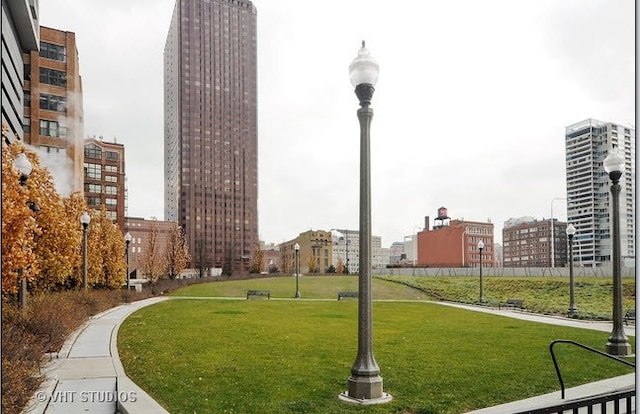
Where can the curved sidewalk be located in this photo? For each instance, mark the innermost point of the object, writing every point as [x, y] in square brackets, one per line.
[87, 374]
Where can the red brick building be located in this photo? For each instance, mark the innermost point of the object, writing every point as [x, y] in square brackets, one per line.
[53, 114]
[104, 178]
[454, 243]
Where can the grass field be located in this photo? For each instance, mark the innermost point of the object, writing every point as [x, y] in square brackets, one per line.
[272, 356]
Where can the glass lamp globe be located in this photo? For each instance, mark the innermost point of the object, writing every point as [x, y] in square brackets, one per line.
[364, 69]
[614, 161]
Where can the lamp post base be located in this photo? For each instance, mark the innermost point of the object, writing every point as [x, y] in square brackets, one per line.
[297, 295]
[621, 348]
[365, 391]
[572, 312]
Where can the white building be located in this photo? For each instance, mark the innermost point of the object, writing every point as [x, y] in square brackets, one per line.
[587, 144]
[20, 34]
[346, 248]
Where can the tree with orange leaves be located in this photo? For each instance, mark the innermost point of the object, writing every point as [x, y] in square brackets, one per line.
[19, 226]
[106, 250]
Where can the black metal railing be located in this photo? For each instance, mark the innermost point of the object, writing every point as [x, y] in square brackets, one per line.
[611, 401]
[588, 348]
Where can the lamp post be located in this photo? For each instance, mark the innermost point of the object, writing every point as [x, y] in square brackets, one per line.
[481, 247]
[571, 230]
[127, 240]
[365, 383]
[296, 247]
[85, 219]
[24, 167]
[618, 342]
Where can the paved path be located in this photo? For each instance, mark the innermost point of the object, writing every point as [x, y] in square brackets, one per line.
[87, 375]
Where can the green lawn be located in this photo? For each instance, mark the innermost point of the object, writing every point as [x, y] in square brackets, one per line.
[271, 356]
[547, 295]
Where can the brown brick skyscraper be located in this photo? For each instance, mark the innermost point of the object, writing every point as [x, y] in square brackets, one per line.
[211, 167]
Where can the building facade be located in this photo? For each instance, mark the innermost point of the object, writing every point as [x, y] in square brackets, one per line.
[20, 35]
[104, 178]
[210, 106]
[454, 243]
[527, 243]
[315, 254]
[141, 230]
[587, 144]
[53, 113]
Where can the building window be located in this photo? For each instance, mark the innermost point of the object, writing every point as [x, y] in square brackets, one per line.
[93, 171]
[111, 201]
[111, 178]
[93, 151]
[93, 188]
[27, 72]
[112, 215]
[26, 125]
[111, 189]
[27, 99]
[51, 51]
[53, 77]
[52, 129]
[93, 201]
[53, 103]
[111, 168]
[111, 155]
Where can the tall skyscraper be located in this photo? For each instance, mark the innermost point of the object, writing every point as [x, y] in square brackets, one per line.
[587, 144]
[211, 167]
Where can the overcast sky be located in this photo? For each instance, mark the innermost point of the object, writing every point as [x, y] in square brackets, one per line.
[470, 108]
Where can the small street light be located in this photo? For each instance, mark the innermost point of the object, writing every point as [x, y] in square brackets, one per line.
[481, 247]
[127, 239]
[85, 219]
[365, 383]
[24, 167]
[571, 230]
[618, 342]
[296, 247]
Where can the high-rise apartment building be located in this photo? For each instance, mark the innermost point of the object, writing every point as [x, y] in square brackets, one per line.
[53, 114]
[587, 144]
[20, 34]
[210, 105]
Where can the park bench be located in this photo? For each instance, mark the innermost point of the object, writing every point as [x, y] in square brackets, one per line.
[630, 316]
[512, 304]
[347, 295]
[266, 293]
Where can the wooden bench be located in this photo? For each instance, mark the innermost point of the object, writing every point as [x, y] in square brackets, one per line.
[266, 293]
[347, 295]
[630, 316]
[512, 304]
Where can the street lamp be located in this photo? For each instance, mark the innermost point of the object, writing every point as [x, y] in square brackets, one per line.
[296, 247]
[571, 230]
[365, 383]
[127, 239]
[481, 247]
[24, 167]
[85, 219]
[618, 342]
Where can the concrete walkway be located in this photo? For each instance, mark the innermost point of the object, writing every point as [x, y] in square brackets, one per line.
[87, 376]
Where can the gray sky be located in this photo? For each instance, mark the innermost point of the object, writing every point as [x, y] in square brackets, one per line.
[470, 107]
